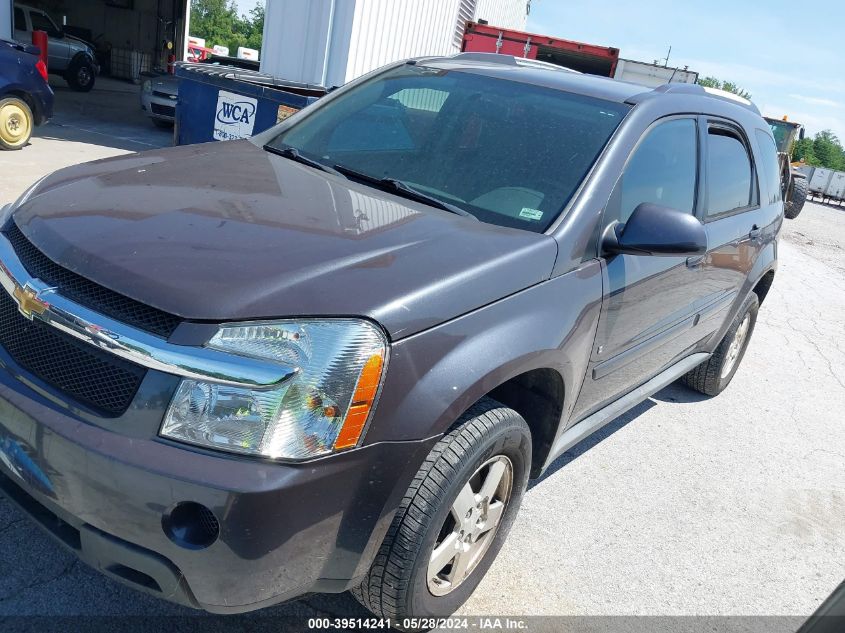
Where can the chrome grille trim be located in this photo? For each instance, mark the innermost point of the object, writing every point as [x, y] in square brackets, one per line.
[127, 342]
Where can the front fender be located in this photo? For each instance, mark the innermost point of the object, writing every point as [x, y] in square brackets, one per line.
[85, 57]
[436, 375]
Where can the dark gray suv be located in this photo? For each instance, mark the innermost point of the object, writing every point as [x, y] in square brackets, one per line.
[329, 358]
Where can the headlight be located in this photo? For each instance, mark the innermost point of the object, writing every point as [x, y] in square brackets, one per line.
[147, 86]
[322, 408]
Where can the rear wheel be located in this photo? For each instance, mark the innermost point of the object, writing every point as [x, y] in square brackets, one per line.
[453, 519]
[796, 198]
[16, 123]
[716, 373]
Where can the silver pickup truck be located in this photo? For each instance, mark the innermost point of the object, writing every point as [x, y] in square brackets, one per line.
[67, 56]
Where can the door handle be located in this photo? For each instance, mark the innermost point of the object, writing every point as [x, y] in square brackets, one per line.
[756, 232]
[695, 262]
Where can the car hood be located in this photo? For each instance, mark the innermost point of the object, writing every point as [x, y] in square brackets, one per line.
[227, 231]
[77, 43]
[167, 84]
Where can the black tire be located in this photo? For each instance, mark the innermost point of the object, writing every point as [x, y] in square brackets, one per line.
[797, 197]
[707, 377]
[396, 586]
[81, 75]
[16, 123]
[162, 123]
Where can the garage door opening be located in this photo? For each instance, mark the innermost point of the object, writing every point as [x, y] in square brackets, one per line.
[100, 53]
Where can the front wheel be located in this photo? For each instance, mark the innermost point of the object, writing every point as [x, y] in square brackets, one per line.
[15, 123]
[81, 75]
[797, 197]
[715, 374]
[453, 519]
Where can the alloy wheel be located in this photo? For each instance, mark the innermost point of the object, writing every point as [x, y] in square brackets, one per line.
[471, 525]
[736, 346]
[83, 76]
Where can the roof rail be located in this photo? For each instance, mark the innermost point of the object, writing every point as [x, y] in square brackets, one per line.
[490, 58]
[696, 89]
[510, 60]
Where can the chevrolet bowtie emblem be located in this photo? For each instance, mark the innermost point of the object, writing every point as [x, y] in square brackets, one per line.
[28, 301]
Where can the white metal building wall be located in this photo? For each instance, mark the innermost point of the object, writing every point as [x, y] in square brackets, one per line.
[5, 19]
[509, 14]
[330, 42]
[296, 38]
[386, 30]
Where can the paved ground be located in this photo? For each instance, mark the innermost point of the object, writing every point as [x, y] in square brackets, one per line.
[86, 126]
[683, 506]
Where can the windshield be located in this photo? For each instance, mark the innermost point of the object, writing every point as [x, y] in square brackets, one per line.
[782, 131]
[508, 153]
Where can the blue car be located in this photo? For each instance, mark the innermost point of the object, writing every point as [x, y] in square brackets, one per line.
[26, 99]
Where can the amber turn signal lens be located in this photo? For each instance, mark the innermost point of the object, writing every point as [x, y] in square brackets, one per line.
[362, 403]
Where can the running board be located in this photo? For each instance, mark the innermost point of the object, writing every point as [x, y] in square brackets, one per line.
[594, 422]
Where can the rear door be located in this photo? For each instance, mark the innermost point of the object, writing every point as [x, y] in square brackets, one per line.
[732, 217]
[649, 304]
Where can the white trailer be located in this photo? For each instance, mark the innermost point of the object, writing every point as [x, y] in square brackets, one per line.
[835, 189]
[819, 180]
[652, 75]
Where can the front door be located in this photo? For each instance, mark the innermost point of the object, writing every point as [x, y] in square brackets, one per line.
[649, 304]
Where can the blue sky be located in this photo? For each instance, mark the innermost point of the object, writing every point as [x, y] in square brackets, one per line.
[740, 41]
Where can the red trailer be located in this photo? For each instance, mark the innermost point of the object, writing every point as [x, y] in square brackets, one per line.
[586, 58]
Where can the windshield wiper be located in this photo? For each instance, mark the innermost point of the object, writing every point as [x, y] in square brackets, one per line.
[291, 153]
[403, 189]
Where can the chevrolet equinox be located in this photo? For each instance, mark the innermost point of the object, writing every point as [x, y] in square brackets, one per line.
[330, 357]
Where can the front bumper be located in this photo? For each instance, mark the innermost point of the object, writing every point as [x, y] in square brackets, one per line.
[285, 529]
[159, 106]
[44, 104]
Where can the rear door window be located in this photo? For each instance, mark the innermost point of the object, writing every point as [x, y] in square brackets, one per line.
[730, 176]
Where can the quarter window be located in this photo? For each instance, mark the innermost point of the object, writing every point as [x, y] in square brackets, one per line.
[20, 20]
[769, 165]
[729, 172]
[662, 170]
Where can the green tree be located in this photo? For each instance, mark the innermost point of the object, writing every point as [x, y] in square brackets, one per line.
[728, 86]
[823, 150]
[803, 151]
[218, 22]
[254, 23]
[828, 150]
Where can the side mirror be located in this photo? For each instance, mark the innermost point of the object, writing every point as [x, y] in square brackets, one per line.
[656, 230]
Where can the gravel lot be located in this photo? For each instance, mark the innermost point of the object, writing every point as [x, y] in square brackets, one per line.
[683, 506]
